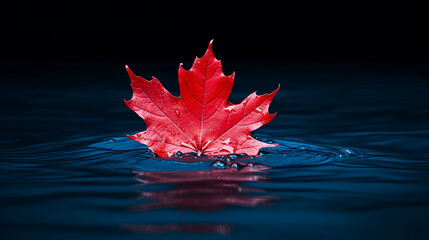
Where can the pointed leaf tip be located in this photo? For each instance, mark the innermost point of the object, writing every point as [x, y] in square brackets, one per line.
[278, 88]
[210, 47]
[130, 73]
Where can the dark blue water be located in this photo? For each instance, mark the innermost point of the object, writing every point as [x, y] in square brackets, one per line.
[353, 160]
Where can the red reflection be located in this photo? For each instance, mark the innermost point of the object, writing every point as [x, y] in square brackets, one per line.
[208, 190]
[152, 228]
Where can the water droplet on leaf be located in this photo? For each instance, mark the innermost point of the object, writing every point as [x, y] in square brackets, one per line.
[178, 153]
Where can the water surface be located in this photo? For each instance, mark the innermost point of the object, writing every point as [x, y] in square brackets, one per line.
[352, 161]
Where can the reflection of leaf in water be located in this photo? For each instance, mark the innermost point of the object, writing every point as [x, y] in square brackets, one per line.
[208, 190]
[154, 228]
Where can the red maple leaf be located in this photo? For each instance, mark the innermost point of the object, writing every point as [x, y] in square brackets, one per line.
[200, 120]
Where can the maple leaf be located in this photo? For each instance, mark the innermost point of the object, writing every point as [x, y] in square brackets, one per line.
[201, 120]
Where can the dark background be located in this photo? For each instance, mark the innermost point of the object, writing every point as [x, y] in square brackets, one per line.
[52, 47]
[94, 30]
[353, 75]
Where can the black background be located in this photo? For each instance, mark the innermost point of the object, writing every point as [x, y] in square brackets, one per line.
[151, 30]
[352, 75]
